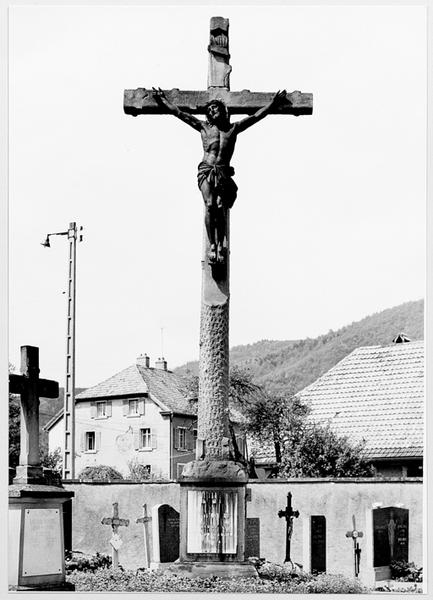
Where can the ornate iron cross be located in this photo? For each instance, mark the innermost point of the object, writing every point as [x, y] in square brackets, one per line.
[355, 534]
[289, 514]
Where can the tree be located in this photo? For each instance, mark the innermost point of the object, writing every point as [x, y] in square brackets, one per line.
[317, 451]
[14, 427]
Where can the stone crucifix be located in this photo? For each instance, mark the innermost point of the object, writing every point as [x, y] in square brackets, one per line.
[31, 388]
[219, 192]
[115, 541]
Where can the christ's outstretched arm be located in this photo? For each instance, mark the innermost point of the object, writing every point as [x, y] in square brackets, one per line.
[279, 97]
[187, 118]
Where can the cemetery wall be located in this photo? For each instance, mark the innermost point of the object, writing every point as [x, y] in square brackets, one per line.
[339, 501]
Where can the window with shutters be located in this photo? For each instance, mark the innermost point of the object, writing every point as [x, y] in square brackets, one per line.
[181, 438]
[101, 410]
[133, 408]
[90, 441]
[145, 439]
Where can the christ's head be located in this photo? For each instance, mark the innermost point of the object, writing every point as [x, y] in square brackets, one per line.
[216, 111]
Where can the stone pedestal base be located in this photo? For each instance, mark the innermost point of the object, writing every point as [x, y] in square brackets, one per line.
[36, 544]
[28, 474]
[211, 569]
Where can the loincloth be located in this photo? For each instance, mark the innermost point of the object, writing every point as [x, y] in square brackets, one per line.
[220, 179]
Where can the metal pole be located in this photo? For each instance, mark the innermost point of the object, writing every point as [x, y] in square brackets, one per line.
[69, 400]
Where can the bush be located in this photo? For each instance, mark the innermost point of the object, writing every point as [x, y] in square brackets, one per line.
[100, 473]
[118, 580]
[402, 570]
[78, 561]
[138, 471]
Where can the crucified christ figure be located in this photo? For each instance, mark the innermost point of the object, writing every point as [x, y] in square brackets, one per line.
[214, 172]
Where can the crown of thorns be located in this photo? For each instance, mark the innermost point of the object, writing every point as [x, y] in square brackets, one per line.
[219, 103]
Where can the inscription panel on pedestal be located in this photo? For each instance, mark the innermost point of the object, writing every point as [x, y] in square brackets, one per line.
[42, 544]
[212, 522]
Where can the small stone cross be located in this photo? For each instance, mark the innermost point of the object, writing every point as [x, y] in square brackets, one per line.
[355, 534]
[30, 388]
[289, 514]
[145, 520]
[115, 523]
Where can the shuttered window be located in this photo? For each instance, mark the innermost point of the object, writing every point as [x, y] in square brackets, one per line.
[181, 438]
[90, 440]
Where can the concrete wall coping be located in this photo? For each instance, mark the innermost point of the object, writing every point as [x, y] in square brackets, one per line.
[339, 480]
[294, 480]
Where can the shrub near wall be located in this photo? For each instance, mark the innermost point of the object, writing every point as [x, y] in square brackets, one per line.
[118, 580]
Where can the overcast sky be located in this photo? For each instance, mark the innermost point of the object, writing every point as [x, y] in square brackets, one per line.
[329, 223]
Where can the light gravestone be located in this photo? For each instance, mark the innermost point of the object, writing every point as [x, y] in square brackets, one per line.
[212, 521]
[36, 542]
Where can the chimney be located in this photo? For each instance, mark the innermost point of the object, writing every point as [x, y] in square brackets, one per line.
[161, 363]
[401, 339]
[143, 360]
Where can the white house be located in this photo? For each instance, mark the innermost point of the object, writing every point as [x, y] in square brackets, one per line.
[140, 415]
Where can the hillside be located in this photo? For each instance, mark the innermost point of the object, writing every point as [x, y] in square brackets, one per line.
[289, 366]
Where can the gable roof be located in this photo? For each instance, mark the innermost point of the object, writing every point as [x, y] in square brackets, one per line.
[376, 393]
[163, 386]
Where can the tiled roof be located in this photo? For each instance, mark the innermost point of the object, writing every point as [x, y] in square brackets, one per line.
[375, 394]
[164, 387]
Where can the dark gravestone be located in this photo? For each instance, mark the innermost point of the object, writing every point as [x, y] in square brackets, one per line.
[318, 544]
[168, 519]
[252, 537]
[390, 535]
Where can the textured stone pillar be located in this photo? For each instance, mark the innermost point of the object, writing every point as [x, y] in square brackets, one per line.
[213, 403]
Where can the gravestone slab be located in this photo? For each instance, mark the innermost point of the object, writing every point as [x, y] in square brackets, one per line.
[252, 537]
[390, 535]
[168, 519]
[318, 544]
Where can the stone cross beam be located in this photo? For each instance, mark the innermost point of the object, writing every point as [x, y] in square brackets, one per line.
[30, 388]
[115, 521]
[213, 408]
[145, 520]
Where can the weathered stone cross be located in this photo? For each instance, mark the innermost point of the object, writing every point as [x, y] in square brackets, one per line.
[289, 514]
[115, 523]
[219, 192]
[145, 520]
[30, 388]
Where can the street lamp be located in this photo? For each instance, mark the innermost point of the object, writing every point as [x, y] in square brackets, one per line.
[69, 399]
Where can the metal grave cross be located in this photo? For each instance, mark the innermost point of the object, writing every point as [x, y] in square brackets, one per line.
[355, 534]
[214, 178]
[289, 514]
[145, 520]
[115, 523]
[30, 388]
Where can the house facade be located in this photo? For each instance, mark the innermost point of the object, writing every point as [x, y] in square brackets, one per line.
[141, 418]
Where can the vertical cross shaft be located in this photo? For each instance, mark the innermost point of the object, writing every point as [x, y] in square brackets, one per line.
[30, 388]
[213, 407]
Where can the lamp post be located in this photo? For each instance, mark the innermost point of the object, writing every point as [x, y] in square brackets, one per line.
[69, 399]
